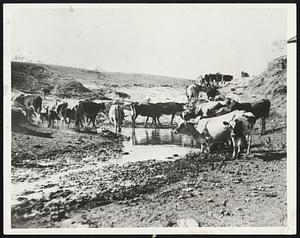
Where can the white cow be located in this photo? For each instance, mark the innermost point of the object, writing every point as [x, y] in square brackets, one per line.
[116, 116]
[241, 127]
[199, 108]
[208, 131]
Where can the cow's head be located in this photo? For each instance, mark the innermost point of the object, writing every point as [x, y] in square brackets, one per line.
[132, 108]
[235, 126]
[53, 115]
[191, 113]
[102, 106]
[30, 113]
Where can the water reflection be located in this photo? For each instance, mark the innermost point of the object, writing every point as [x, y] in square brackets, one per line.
[144, 136]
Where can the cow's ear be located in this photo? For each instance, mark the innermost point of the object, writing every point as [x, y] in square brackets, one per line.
[225, 123]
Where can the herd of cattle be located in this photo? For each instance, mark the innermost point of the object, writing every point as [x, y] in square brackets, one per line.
[215, 79]
[207, 121]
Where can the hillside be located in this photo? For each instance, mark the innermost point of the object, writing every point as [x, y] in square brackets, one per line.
[272, 83]
[72, 82]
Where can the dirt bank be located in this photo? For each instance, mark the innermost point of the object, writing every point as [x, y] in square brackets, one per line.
[66, 182]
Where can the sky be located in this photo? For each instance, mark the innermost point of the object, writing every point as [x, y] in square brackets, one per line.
[173, 40]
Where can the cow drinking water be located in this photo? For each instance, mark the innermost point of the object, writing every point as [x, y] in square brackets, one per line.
[208, 131]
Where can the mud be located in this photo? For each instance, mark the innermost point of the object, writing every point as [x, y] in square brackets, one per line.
[79, 179]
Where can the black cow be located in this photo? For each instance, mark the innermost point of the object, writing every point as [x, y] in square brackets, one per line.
[61, 111]
[70, 114]
[52, 115]
[206, 79]
[88, 109]
[171, 108]
[227, 78]
[213, 78]
[260, 109]
[244, 74]
[218, 78]
[211, 93]
[145, 109]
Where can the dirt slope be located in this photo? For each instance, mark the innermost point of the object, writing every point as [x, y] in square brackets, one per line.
[69, 82]
[272, 83]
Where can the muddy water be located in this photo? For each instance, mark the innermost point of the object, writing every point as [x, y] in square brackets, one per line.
[143, 144]
[158, 144]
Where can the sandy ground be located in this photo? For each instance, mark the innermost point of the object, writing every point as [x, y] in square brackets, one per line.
[77, 180]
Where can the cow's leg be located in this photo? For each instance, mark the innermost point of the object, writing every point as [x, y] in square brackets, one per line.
[154, 121]
[234, 148]
[208, 144]
[94, 120]
[158, 121]
[172, 118]
[133, 118]
[249, 137]
[263, 125]
[80, 122]
[62, 120]
[202, 148]
[146, 121]
[239, 145]
[38, 119]
[89, 121]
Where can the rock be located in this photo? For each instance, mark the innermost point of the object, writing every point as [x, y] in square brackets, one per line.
[175, 155]
[38, 146]
[239, 180]
[209, 200]
[225, 203]
[187, 223]
[171, 223]
[125, 153]
[239, 209]
[271, 194]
